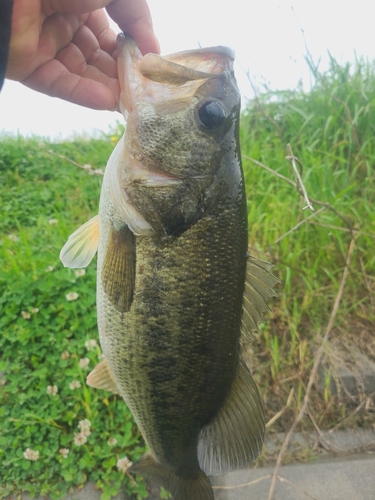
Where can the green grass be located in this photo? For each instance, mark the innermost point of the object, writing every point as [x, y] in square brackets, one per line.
[331, 131]
[45, 198]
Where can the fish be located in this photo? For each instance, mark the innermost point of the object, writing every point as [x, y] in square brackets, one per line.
[177, 290]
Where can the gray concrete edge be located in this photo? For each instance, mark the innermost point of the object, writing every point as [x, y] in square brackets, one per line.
[343, 443]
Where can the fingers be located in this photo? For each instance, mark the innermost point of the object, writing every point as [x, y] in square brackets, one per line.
[57, 32]
[74, 61]
[25, 33]
[65, 49]
[97, 22]
[134, 18]
[91, 53]
[54, 79]
[144, 37]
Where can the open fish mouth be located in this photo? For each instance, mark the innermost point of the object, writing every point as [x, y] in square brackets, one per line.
[180, 73]
[157, 182]
[153, 89]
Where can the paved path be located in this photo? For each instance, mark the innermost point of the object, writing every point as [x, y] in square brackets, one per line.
[350, 477]
[344, 478]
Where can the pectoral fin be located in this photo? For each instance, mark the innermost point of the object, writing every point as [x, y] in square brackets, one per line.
[81, 246]
[258, 289]
[234, 437]
[118, 272]
[101, 378]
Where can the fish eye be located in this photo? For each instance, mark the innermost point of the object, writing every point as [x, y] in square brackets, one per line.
[211, 115]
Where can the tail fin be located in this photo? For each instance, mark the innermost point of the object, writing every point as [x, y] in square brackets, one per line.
[197, 487]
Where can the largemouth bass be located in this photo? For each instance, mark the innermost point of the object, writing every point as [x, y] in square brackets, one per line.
[176, 288]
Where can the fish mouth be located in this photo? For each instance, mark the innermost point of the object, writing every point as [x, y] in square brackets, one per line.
[179, 74]
[161, 181]
[154, 85]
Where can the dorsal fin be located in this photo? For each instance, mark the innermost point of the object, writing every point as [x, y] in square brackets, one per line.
[258, 289]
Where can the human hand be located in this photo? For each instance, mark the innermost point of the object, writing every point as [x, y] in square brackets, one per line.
[66, 49]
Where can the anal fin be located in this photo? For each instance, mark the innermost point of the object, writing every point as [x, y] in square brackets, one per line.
[234, 437]
[101, 378]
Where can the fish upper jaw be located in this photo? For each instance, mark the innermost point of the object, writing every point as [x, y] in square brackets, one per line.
[128, 59]
[162, 79]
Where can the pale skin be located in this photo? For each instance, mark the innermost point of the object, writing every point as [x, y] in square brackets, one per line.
[66, 49]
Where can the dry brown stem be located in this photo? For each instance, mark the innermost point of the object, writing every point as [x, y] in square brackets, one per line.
[243, 484]
[295, 185]
[86, 168]
[273, 172]
[356, 232]
[300, 186]
[329, 445]
[359, 407]
[314, 214]
[280, 413]
[318, 357]
[283, 480]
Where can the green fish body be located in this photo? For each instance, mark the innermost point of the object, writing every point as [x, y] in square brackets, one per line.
[176, 288]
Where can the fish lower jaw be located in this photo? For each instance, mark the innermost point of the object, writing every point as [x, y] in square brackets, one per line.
[160, 180]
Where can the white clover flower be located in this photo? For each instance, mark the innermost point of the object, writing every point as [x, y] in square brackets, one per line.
[64, 452]
[85, 426]
[34, 310]
[79, 439]
[84, 363]
[91, 344]
[12, 237]
[112, 442]
[52, 390]
[49, 269]
[71, 296]
[30, 454]
[2, 381]
[75, 384]
[26, 314]
[65, 355]
[123, 464]
[84, 423]
[53, 221]
[80, 272]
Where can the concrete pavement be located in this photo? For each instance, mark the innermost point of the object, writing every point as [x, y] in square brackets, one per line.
[344, 477]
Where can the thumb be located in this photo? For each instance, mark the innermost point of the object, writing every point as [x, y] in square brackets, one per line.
[136, 21]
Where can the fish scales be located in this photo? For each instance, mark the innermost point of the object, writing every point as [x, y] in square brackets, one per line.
[181, 332]
[176, 289]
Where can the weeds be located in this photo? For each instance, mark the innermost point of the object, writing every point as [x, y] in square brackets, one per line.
[48, 314]
[48, 334]
[330, 130]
